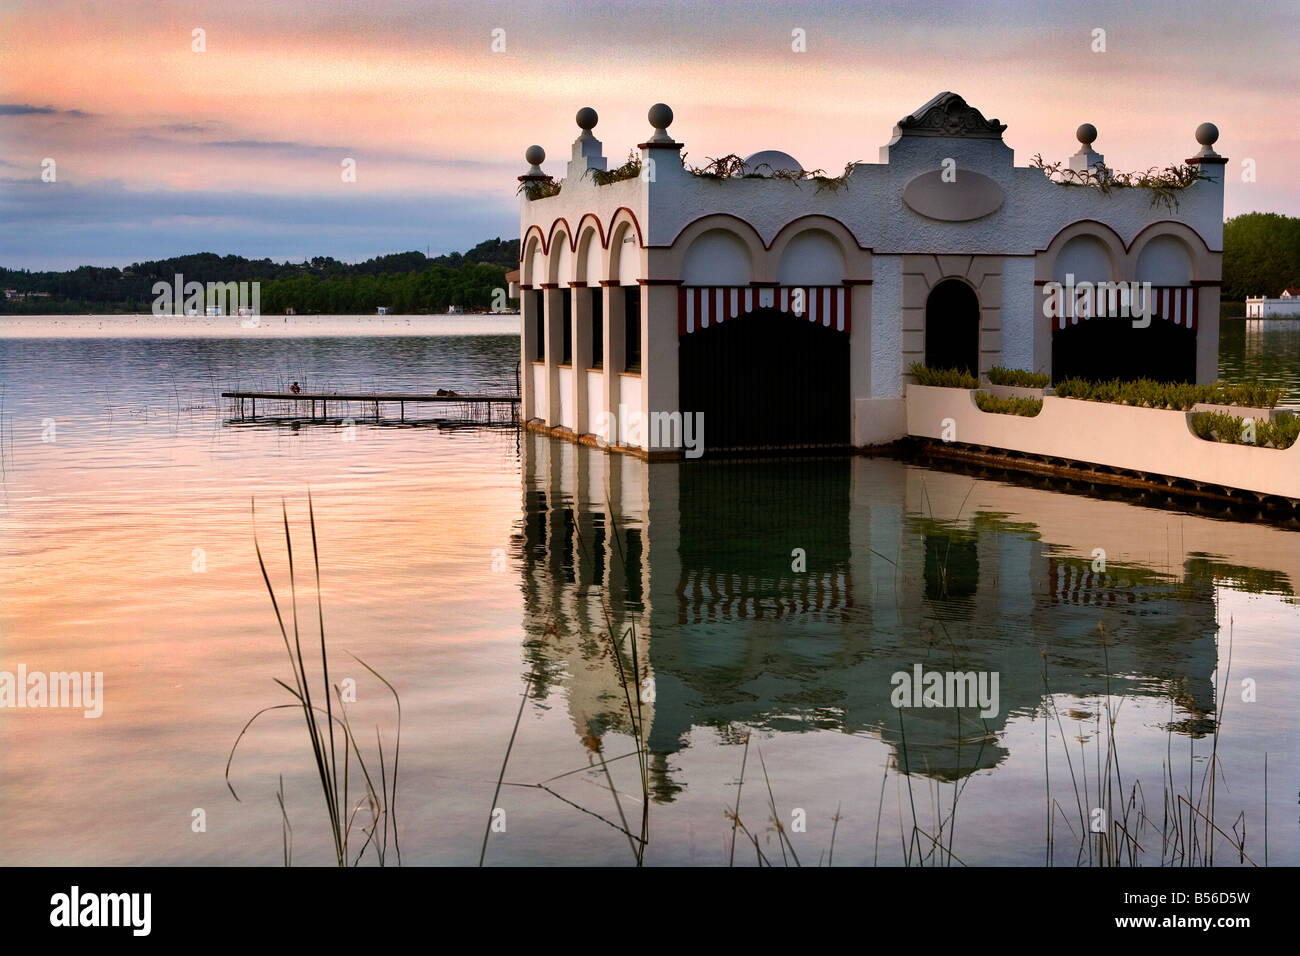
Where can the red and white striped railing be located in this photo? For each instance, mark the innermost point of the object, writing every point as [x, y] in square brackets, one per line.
[1173, 303]
[699, 307]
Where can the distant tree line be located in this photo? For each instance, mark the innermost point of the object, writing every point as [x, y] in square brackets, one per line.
[404, 282]
[1261, 255]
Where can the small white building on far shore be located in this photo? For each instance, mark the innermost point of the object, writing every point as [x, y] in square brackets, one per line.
[1285, 306]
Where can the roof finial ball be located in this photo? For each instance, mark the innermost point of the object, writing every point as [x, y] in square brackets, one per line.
[661, 117]
[587, 119]
[535, 156]
[1087, 160]
[1207, 134]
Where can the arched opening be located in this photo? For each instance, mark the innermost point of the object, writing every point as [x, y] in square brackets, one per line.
[952, 327]
[767, 381]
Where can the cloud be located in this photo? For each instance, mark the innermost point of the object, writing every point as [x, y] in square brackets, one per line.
[26, 109]
[267, 144]
[186, 127]
[23, 109]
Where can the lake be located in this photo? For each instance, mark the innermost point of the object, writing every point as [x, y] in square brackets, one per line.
[1134, 668]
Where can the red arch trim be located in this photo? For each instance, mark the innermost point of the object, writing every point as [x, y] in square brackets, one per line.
[1127, 247]
[603, 231]
[767, 246]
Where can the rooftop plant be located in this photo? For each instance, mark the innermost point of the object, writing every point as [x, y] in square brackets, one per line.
[539, 188]
[1164, 184]
[629, 170]
[732, 166]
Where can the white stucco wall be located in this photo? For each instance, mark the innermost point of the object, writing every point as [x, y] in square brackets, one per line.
[1086, 259]
[629, 258]
[594, 265]
[886, 329]
[1164, 261]
[717, 258]
[1019, 305]
[811, 258]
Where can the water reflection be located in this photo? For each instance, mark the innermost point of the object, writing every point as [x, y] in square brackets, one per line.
[783, 596]
[1263, 349]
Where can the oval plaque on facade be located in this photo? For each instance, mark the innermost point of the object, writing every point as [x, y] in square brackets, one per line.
[969, 196]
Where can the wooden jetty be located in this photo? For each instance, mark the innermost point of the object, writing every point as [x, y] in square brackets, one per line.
[323, 399]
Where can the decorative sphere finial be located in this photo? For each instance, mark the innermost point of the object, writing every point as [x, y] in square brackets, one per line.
[587, 118]
[661, 117]
[1207, 134]
[1086, 134]
[534, 156]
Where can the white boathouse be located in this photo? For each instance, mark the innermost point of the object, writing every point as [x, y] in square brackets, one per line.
[779, 311]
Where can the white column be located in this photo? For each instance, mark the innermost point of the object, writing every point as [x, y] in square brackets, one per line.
[659, 356]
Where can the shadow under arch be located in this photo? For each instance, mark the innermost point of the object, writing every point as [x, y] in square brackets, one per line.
[1102, 349]
[767, 381]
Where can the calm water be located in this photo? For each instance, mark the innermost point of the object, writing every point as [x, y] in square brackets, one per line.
[466, 563]
[1266, 349]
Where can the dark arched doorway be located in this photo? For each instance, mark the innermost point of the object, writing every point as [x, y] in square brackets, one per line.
[767, 381]
[952, 327]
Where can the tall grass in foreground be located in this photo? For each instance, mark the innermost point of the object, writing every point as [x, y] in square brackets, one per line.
[1116, 826]
[380, 805]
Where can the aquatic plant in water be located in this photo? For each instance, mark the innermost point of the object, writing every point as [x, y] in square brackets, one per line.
[380, 804]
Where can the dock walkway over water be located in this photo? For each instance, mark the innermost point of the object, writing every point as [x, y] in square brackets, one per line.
[474, 402]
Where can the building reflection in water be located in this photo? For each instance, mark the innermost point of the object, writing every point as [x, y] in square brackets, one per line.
[783, 596]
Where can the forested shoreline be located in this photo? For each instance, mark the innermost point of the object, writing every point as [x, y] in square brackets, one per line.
[403, 283]
[1261, 256]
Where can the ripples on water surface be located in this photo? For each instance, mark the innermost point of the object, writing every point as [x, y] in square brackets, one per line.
[459, 562]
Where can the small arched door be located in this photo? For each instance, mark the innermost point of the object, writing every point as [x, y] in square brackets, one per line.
[952, 327]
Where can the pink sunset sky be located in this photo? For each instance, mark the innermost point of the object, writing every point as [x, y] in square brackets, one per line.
[161, 150]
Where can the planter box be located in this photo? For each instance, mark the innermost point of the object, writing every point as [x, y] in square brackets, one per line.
[1150, 440]
[1013, 391]
[1239, 411]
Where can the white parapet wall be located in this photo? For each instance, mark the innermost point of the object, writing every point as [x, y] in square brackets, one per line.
[1150, 440]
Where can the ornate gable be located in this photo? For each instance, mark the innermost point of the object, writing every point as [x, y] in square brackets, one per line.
[949, 115]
